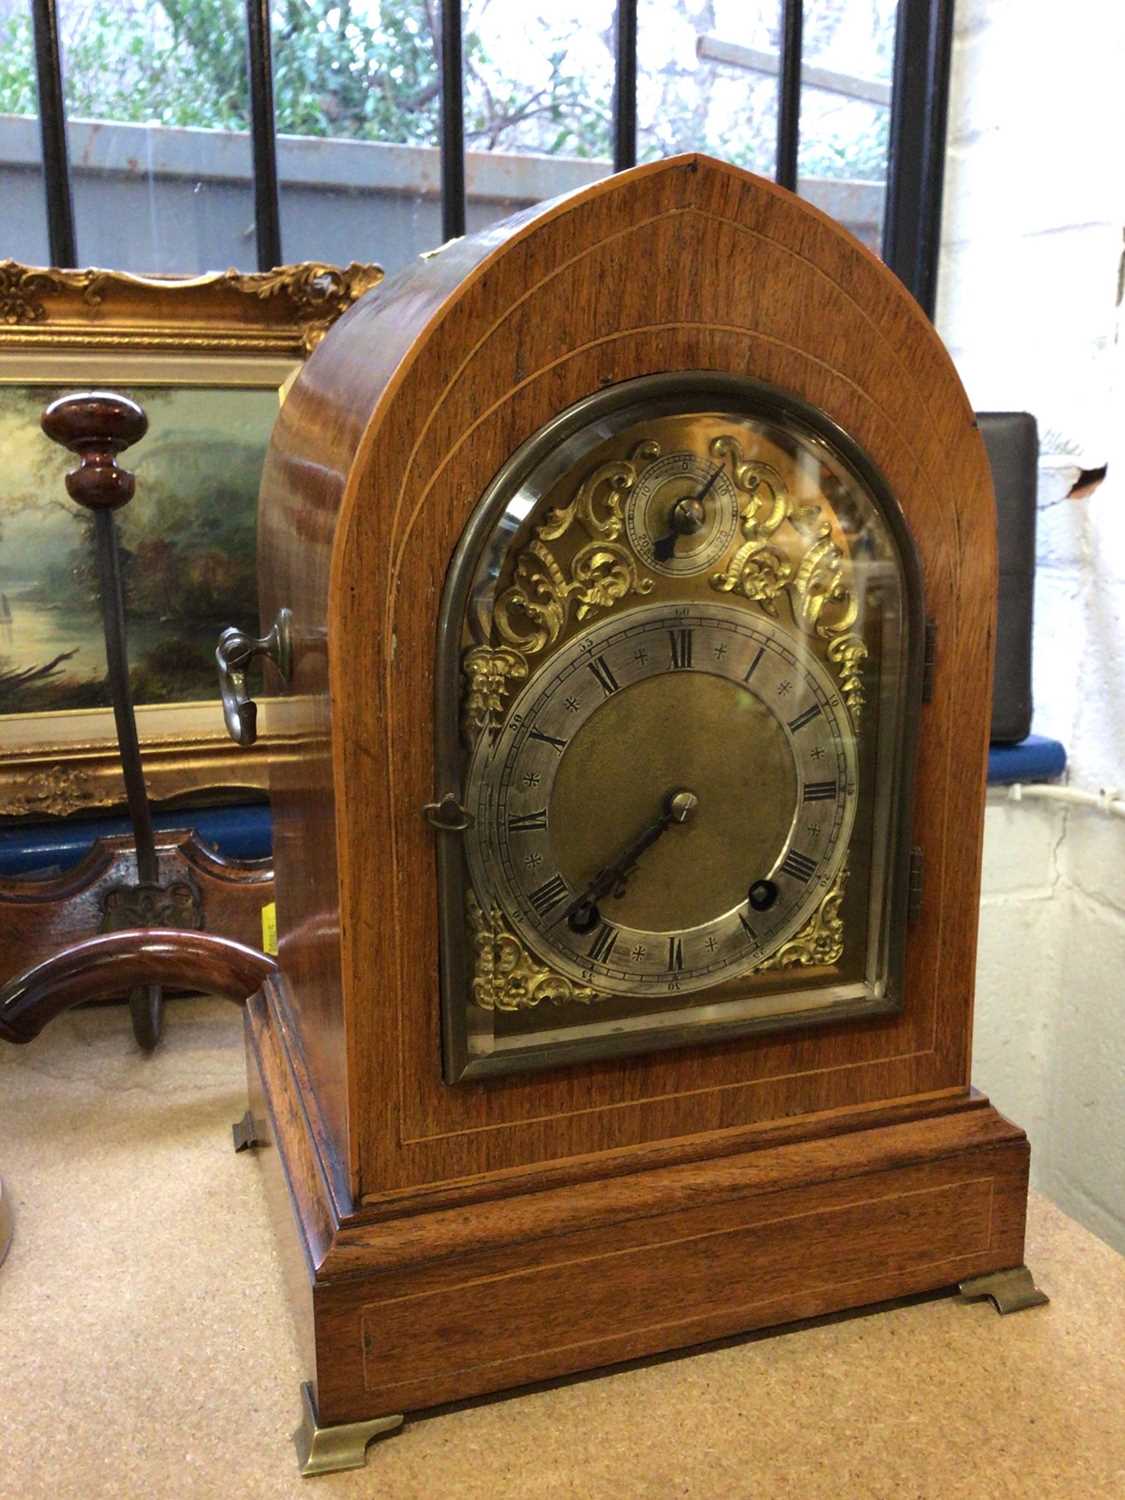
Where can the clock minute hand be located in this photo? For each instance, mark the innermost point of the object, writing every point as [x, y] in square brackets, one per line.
[685, 518]
[679, 804]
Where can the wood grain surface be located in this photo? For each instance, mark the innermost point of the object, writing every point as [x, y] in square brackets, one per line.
[430, 1307]
[39, 916]
[392, 432]
[99, 967]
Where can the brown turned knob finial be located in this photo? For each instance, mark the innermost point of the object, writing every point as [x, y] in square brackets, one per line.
[97, 426]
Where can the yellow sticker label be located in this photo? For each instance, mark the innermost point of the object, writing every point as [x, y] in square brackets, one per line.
[269, 927]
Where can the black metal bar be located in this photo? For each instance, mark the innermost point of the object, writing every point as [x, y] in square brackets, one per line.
[625, 87]
[916, 159]
[263, 133]
[117, 661]
[789, 95]
[452, 123]
[52, 133]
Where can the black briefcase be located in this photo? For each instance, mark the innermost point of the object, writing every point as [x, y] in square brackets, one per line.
[1012, 440]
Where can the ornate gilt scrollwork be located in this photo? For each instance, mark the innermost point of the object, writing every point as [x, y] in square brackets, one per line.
[757, 570]
[601, 573]
[308, 297]
[22, 289]
[847, 653]
[490, 672]
[319, 293]
[505, 975]
[596, 504]
[819, 586]
[56, 791]
[532, 613]
[821, 939]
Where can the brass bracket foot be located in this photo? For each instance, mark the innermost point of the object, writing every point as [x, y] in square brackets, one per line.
[324, 1450]
[245, 1132]
[1011, 1291]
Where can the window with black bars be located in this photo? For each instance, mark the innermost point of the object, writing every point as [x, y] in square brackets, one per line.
[184, 135]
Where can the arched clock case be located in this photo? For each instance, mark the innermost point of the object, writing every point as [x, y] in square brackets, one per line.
[639, 562]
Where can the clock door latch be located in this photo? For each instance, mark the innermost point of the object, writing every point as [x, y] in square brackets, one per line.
[915, 885]
[448, 815]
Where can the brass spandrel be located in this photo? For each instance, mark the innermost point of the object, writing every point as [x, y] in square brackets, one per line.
[821, 940]
[506, 975]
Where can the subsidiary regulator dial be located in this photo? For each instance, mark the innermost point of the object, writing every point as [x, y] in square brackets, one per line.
[682, 514]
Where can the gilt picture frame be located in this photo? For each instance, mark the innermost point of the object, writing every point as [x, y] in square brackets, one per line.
[211, 359]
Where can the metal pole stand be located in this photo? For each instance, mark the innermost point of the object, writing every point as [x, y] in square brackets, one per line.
[97, 426]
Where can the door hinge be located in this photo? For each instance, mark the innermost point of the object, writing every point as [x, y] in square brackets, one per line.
[929, 657]
[915, 885]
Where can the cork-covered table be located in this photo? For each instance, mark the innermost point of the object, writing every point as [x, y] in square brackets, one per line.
[146, 1347]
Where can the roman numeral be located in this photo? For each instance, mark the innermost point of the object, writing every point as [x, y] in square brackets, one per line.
[548, 895]
[600, 669]
[820, 791]
[747, 929]
[681, 648]
[528, 822]
[800, 866]
[675, 954]
[546, 739]
[602, 946]
[806, 718]
[751, 668]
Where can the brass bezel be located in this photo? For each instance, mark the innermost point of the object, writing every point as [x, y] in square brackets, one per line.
[555, 438]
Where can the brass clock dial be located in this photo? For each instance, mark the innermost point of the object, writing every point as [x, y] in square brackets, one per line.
[674, 710]
[577, 827]
[682, 514]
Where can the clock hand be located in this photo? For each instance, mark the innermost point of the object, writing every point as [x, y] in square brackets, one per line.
[706, 490]
[685, 518]
[582, 913]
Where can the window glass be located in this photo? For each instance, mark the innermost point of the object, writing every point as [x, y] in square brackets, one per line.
[158, 97]
[538, 101]
[707, 80]
[21, 161]
[357, 94]
[157, 106]
[848, 57]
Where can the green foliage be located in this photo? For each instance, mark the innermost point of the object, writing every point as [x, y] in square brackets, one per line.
[17, 71]
[862, 155]
[365, 70]
[337, 74]
[183, 62]
[338, 71]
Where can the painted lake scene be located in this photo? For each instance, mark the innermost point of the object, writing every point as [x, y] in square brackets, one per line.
[187, 542]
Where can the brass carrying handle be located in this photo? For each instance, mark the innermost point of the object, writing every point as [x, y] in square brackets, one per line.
[234, 653]
[109, 965]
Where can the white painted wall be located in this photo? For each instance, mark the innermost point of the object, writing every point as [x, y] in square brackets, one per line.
[1035, 206]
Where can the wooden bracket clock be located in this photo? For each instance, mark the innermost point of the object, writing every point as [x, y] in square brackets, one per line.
[633, 565]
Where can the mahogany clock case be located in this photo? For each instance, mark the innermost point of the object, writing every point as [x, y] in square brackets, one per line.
[456, 1239]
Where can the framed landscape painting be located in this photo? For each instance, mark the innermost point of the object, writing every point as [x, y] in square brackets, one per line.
[209, 360]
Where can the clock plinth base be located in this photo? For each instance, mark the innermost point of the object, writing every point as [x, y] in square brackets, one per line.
[401, 1308]
[1013, 1290]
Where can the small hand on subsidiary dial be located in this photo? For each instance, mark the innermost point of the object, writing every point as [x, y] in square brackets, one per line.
[685, 519]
